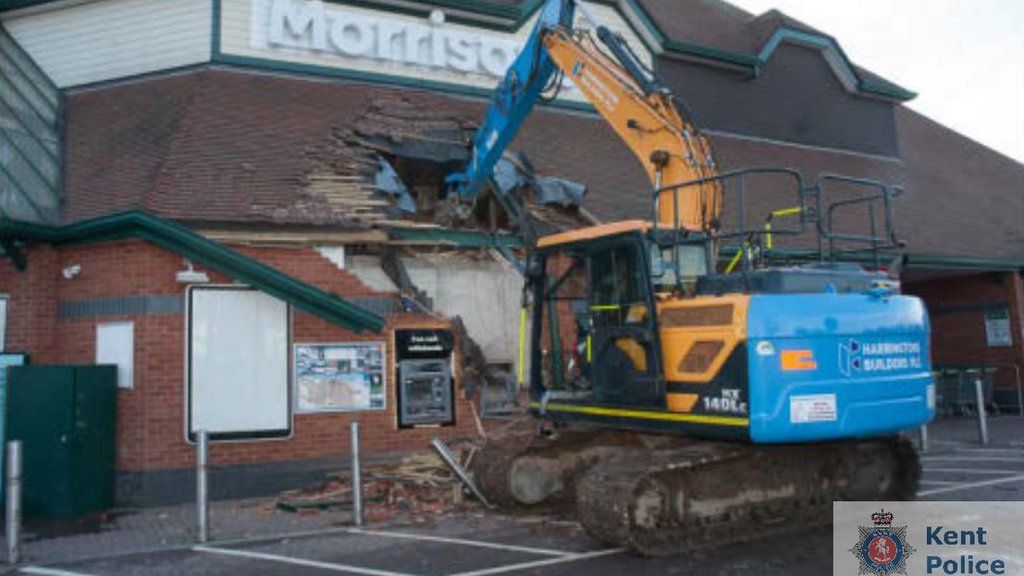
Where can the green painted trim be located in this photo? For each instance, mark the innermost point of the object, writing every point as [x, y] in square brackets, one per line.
[377, 78]
[828, 45]
[708, 53]
[215, 28]
[461, 238]
[646, 20]
[181, 240]
[886, 90]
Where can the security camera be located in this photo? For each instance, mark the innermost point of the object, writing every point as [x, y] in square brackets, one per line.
[71, 271]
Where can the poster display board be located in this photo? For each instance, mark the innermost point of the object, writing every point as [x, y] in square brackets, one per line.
[997, 328]
[238, 387]
[339, 377]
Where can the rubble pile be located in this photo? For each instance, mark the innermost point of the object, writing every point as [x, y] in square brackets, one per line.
[418, 486]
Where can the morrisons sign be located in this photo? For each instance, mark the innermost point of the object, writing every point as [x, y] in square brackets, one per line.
[325, 36]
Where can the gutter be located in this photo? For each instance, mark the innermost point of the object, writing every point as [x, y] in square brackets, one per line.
[182, 240]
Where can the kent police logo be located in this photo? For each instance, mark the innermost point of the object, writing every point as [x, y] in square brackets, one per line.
[882, 548]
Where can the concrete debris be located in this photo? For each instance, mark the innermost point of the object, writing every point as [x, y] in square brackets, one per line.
[420, 485]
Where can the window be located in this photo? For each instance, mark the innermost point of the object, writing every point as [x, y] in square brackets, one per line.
[238, 384]
[115, 344]
[618, 285]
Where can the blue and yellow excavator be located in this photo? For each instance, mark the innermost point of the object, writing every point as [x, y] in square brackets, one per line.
[692, 407]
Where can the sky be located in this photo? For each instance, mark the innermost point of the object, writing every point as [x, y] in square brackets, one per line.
[964, 58]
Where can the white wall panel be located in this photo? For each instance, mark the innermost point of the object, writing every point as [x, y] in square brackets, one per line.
[88, 42]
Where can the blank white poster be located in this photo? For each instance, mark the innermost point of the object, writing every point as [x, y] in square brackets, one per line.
[115, 344]
[238, 363]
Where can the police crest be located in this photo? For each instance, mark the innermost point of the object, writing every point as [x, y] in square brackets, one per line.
[882, 548]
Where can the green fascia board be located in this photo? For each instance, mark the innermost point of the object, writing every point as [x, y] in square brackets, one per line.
[181, 240]
[709, 53]
[460, 238]
[886, 90]
[6, 5]
[834, 54]
[378, 78]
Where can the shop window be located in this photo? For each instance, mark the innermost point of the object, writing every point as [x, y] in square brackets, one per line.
[115, 344]
[238, 383]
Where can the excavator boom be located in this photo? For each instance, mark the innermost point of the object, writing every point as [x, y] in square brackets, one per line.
[627, 95]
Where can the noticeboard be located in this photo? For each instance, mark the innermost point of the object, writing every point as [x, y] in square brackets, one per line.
[997, 328]
[339, 377]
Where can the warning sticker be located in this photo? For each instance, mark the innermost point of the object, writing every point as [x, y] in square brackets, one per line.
[812, 408]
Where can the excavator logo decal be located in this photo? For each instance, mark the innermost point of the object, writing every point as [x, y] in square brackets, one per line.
[798, 360]
[850, 359]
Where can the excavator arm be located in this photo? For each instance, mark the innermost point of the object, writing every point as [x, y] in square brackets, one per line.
[624, 92]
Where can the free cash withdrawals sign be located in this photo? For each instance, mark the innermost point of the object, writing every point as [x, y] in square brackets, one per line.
[339, 36]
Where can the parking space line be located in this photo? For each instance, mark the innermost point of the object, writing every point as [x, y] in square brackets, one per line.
[966, 485]
[297, 561]
[41, 571]
[980, 449]
[540, 563]
[939, 482]
[972, 459]
[461, 541]
[968, 471]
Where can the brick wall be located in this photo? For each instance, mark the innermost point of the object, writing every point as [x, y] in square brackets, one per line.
[957, 307]
[151, 416]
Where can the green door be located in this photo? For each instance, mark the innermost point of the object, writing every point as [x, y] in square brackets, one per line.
[65, 418]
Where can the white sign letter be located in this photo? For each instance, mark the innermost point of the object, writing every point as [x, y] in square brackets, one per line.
[289, 23]
[352, 37]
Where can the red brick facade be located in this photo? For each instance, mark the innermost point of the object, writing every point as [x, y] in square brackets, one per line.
[151, 421]
[957, 308]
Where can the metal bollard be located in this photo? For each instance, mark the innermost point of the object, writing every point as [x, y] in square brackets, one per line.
[13, 493]
[924, 437]
[357, 478]
[982, 416]
[202, 491]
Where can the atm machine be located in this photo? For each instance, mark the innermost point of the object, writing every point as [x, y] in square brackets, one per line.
[425, 384]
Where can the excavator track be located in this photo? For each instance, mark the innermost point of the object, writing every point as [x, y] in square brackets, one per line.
[711, 494]
[664, 495]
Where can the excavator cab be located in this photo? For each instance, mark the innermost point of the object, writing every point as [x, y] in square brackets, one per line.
[636, 325]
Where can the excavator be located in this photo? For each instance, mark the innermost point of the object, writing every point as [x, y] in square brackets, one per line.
[685, 407]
